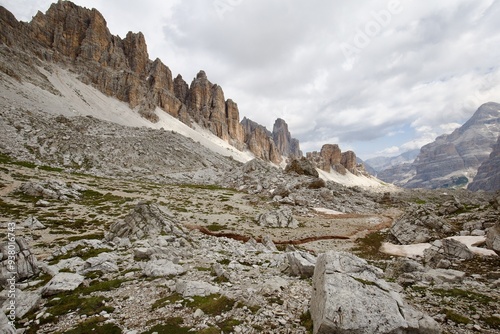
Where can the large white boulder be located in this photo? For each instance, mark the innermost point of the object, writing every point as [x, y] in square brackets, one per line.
[349, 296]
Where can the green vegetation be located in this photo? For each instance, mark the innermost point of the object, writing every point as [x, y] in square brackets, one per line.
[64, 303]
[368, 247]
[493, 322]
[214, 304]
[456, 318]
[81, 251]
[215, 227]
[306, 321]
[458, 293]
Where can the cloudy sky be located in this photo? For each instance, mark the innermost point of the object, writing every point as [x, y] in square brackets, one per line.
[376, 76]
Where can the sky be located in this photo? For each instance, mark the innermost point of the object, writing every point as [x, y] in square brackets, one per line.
[378, 77]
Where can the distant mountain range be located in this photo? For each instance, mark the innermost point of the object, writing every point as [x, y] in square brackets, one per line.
[452, 160]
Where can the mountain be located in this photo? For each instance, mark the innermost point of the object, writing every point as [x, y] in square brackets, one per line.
[488, 174]
[286, 145]
[453, 160]
[381, 163]
[77, 39]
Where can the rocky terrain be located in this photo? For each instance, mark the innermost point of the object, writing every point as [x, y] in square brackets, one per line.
[122, 255]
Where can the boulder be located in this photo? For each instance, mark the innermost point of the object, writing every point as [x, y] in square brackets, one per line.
[301, 263]
[104, 262]
[493, 238]
[33, 224]
[5, 325]
[349, 296]
[26, 264]
[278, 218]
[440, 276]
[145, 221]
[195, 288]
[62, 282]
[419, 225]
[444, 252]
[161, 268]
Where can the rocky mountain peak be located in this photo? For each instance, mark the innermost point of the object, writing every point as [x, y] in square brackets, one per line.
[331, 158]
[286, 145]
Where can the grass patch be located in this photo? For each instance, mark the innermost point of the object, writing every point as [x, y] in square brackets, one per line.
[368, 247]
[493, 322]
[227, 326]
[97, 236]
[214, 304]
[306, 321]
[81, 251]
[459, 293]
[63, 304]
[215, 227]
[455, 317]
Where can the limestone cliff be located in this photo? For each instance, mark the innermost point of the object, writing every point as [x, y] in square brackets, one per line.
[78, 39]
[286, 145]
[331, 158]
[259, 141]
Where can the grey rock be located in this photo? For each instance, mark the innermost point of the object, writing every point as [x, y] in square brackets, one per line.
[267, 242]
[5, 325]
[444, 252]
[25, 262]
[104, 262]
[278, 218]
[301, 263]
[493, 238]
[62, 282]
[195, 288]
[349, 297]
[273, 285]
[32, 223]
[419, 224]
[162, 268]
[440, 276]
[145, 221]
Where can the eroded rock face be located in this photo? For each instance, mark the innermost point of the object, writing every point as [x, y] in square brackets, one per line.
[259, 141]
[349, 296]
[331, 158]
[118, 67]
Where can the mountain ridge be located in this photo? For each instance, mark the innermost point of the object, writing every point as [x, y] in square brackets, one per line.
[78, 38]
